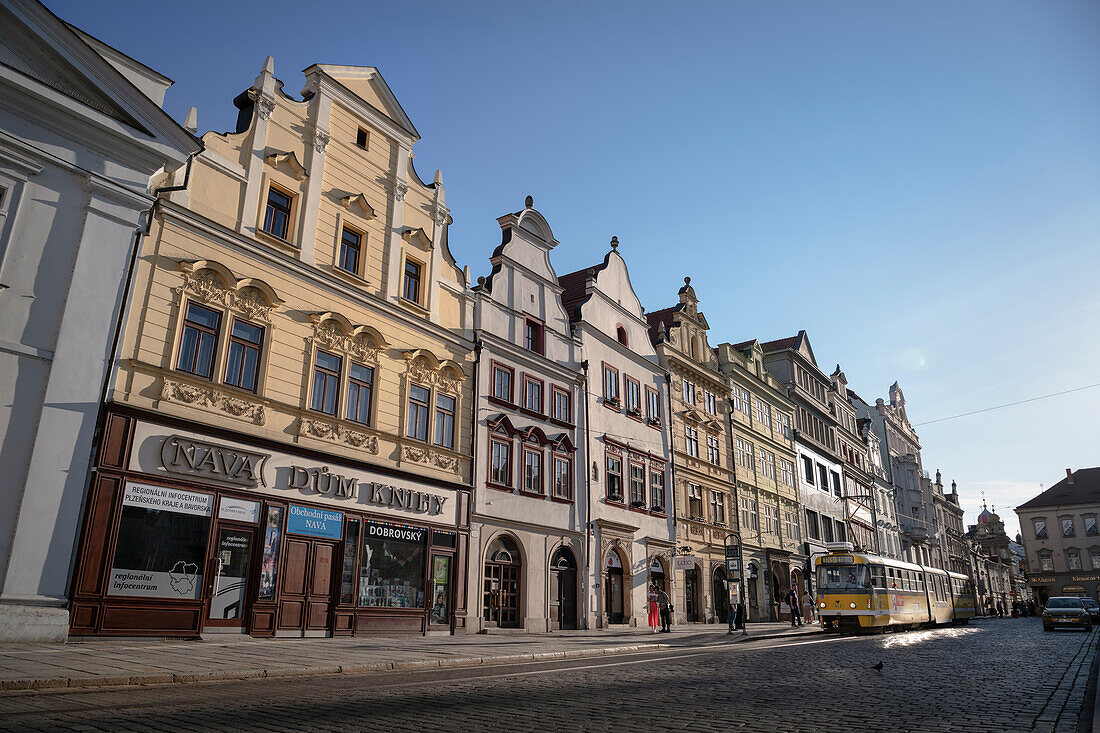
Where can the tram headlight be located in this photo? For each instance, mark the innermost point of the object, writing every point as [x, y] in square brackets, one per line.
[852, 604]
[822, 604]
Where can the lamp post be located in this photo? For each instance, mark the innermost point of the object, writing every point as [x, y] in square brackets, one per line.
[735, 565]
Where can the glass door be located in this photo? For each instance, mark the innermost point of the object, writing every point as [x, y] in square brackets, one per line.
[440, 615]
[229, 590]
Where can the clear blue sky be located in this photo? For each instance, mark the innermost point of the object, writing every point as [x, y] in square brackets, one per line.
[916, 184]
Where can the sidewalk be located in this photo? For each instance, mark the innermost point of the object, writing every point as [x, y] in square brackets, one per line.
[137, 662]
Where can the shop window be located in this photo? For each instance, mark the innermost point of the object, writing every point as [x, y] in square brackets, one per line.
[410, 290]
[502, 383]
[351, 249]
[563, 406]
[326, 382]
[500, 471]
[360, 392]
[657, 490]
[445, 421]
[243, 362]
[614, 479]
[161, 547]
[417, 418]
[563, 477]
[444, 539]
[277, 213]
[532, 470]
[269, 567]
[533, 335]
[441, 590]
[637, 485]
[392, 566]
[199, 343]
[347, 570]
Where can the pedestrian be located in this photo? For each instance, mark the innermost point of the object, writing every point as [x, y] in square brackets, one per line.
[740, 622]
[794, 602]
[664, 607]
[807, 607]
[652, 603]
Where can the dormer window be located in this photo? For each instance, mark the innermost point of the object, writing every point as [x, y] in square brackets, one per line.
[277, 214]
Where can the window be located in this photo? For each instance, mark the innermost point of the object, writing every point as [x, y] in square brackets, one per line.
[620, 335]
[411, 289]
[691, 441]
[745, 454]
[790, 525]
[416, 422]
[695, 501]
[563, 405]
[532, 470]
[1040, 529]
[633, 398]
[653, 406]
[767, 464]
[713, 454]
[783, 425]
[717, 507]
[243, 363]
[326, 382]
[808, 470]
[1095, 560]
[444, 420]
[200, 341]
[500, 471]
[823, 478]
[502, 383]
[812, 528]
[765, 418]
[1045, 562]
[836, 484]
[362, 138]
[393, 567]
[1074, 559]
[842, 534]
[610, 386]
[771, 520]
[614, 479]
[910, 479]
[277, 214]
[657, 490]
[360, 390]
[689, 392]
[710, 403]
[786, 472]
[532, 335]
[827, 529]
[750, 516]
[351, 245]
[1090, 526]
[1067, 528]
[532, 394]
[563, 477]
[637, 485]
[741, 400]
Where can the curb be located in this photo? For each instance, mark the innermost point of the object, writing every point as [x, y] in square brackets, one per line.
[418, 664]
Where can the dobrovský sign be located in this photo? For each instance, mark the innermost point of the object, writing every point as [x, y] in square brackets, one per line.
[196, 458]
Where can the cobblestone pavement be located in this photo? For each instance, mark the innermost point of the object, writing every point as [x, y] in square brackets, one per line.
[996, 675]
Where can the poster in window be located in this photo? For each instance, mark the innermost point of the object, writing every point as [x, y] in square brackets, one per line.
[161, 545]
[269, 568]
[393, 566]
[1090, 526]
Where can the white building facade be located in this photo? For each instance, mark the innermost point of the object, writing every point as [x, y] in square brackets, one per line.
[83, 143]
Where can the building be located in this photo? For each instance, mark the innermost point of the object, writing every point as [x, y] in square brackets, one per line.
[287, 444]
[530, 511]
[625, 447]
[851, 444]
[992, 562]
[949, 521]
[1061, 538]
[698, 420]
[791, 361]
[82, 141]
[762, 442]
[886, 517]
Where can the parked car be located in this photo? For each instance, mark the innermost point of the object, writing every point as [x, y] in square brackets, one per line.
[1093, 607]
[1066, 611]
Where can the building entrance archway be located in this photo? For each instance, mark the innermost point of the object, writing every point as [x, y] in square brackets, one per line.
[563, 590]
[500, 594]
[692, 606]
[753, 583]
[721, 595]
[615, 594]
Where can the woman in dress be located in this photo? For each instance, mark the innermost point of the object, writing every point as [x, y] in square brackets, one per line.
[654, 612]
[807, 607]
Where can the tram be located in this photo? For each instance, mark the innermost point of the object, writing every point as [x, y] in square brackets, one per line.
[862, 592]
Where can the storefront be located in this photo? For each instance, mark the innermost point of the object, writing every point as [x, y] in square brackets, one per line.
[187, 533]
[1080, 584]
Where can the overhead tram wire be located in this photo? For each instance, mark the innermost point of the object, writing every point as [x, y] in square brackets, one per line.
[1010, 404]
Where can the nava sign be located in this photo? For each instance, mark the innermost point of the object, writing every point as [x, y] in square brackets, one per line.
[315, 522]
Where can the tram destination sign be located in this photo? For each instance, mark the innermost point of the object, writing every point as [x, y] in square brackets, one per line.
[837, 560]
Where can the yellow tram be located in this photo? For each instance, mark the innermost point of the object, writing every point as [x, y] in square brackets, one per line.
[858, 591]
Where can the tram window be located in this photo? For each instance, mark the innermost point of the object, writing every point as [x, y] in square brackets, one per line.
[878, 576]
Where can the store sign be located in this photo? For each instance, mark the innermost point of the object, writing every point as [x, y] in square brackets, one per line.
[206, 460]
[1085, 578]
[395, 532]
[683, 563]
[239, 510]
[315, 522]
[164, 499]
[1041, 580]
[733, 565]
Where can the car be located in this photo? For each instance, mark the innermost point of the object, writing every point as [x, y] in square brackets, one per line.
[1093, 607]
[1066, 611]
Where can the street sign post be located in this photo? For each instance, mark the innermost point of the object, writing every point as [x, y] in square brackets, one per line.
[734, 568]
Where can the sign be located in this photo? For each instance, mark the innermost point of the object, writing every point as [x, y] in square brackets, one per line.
[239, 510]
[163, 499]
[396, 532]
[315, 522]
[733, 551]
[1041, 580]
[683, 563]
[836, 560]
[733, 565]
[197, 458]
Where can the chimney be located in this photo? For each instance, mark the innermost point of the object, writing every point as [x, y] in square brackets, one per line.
[1069, 476]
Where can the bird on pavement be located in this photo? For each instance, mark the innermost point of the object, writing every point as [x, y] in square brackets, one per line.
[877, 667]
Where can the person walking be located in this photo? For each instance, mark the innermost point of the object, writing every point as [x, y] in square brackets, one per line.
[807, 607]
[793, 601]
[664, 608]
[652, 603]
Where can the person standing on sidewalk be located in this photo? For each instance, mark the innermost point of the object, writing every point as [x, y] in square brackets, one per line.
[807, 607]
[664, 607]
[653, 612]
[793, 601]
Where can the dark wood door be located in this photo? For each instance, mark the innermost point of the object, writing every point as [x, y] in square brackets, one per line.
[563, 599]
[691, 595]
[615, 595]
[305, 593]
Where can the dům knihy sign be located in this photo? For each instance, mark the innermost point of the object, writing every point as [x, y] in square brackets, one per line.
[315, 522]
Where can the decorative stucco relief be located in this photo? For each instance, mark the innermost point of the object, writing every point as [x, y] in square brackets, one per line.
[213, 399]
[427, 456]
[324, 430]
[212, 283]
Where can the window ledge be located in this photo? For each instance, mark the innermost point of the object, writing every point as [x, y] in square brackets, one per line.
[501, 403]
[532, 494]
[264, 235]
[499, 487]
[349, 276]
[561, 500]
[532, 413]
[562, 423]
[415, 307]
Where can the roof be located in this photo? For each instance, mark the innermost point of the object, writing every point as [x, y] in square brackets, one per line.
[743, 345]
[1085, 489]
[665, 317]
[791, 342]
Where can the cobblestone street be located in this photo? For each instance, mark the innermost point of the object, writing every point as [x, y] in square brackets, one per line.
[993, 675]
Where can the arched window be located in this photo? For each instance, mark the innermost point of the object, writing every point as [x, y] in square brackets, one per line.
[503, 550]
[620, 334]
[563, 560]
[694, 349]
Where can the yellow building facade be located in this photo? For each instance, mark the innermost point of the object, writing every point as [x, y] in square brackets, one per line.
[290, 409]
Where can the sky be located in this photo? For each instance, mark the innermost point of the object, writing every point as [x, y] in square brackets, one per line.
[916, 184]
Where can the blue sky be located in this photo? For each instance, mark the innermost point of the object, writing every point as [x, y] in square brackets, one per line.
[917, 184]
